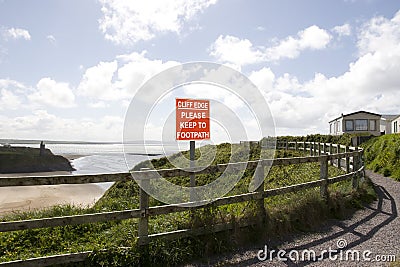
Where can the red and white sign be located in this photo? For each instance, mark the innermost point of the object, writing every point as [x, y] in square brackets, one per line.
[192, 119]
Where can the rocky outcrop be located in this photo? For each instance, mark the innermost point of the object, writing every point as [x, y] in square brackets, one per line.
[26, 159]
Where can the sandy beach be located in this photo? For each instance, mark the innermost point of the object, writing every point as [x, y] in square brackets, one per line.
[24, 198]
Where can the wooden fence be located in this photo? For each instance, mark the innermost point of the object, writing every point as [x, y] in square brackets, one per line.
[346, 158]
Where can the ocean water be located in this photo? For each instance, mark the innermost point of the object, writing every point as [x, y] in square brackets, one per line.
[106, 163]
[106, 158]
[101, 149]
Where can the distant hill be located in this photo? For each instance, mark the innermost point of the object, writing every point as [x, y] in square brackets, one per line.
[26, 159]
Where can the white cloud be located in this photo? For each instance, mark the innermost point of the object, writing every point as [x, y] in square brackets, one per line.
[380, 34]
[371, 83]
[127, 22]
[8, 100]
[12, 95]
[51, 39]
[52, 93]
[121, 78]
[238, 51]
[47, 92]
[17, 33]
[24, 115]
[312, 38]
[40, 124]
[97, 82]
[213, 92]
[260, 28]
[136, 69]
[342, 30]
[242, 52]
[15, 85]
[99, 104]
[263, 79]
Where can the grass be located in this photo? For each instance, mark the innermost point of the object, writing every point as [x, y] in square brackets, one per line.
[396, 263]
[285, 213]
[382, 155]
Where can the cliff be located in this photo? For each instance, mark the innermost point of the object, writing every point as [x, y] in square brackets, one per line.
[26, 159]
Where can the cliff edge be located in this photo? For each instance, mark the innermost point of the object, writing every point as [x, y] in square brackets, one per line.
[26, 159]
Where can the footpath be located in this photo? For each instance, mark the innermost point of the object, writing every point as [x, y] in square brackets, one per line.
[371, 237]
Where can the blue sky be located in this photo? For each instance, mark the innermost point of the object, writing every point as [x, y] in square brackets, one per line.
[69, 69]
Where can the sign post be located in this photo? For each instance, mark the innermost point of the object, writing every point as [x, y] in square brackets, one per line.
[192, 163]
[192, 123]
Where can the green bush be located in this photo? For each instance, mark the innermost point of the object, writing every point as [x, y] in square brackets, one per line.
[382, 155]
[386, 172]
[376, 167]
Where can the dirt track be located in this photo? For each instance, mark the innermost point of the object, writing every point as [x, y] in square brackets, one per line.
[376, 228]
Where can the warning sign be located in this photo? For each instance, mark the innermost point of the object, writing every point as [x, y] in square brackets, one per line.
[192, 119]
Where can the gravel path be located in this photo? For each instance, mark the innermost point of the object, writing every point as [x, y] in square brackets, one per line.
[374, 229]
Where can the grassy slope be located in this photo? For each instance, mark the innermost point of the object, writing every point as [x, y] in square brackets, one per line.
[285, 214]
[382, 154]
[26, 159]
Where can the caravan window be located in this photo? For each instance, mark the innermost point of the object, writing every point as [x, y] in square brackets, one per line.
[349, 125]
[361, 125]
[372, 125]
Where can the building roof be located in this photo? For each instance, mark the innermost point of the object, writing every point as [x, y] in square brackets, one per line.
[389, 117]
[395, 118]
[361, 111]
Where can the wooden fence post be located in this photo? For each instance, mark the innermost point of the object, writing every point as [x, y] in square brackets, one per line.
[330, 152]
[356, 166]
[143, 228]
[319, 149]
[323, 161]
[363, 177]
[286, 145]
[260, 203]
[304, 147]
[315, 150]
[295, 145]
[192, 162]
[311, 148]
[339, 159]
[347, 159]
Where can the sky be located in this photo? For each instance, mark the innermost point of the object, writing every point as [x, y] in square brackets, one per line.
[70, 69]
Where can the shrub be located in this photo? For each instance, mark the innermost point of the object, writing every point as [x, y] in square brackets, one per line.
[376, 167]
[382, 154]
[386, 172]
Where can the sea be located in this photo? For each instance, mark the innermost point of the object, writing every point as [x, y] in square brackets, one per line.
[107, 158]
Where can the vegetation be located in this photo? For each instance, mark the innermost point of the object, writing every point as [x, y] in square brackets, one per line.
[26, 159]
[396, 263]
[285, 213]
[382, 155]
[344, 139]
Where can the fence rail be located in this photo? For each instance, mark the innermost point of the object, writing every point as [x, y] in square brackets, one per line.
[324, 153]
